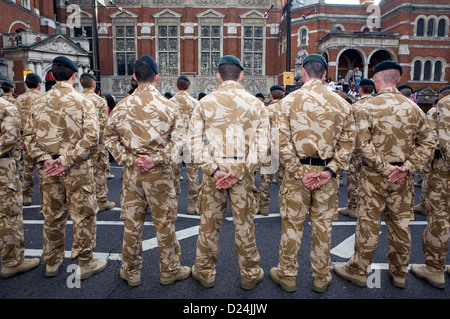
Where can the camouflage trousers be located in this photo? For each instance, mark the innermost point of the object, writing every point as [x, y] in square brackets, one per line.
[99, 158]
[296, 201]
[211, 205]
[393, 201]
[71, 194]
[423, 175]
[193, 182]
[154, 190]
[12, 245]
[353, 176]
[436, 236]
[28, 174]
[264, 187]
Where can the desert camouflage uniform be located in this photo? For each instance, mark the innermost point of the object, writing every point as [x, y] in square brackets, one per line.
[186, 104]
[9, 97]
[316, 125]
[24, 102]
[100, 155]
[437, 189]
[146, 123]
[64, 124]
[266, 179]
[355, 164]
[228, 130]
[388, 126]
[12, 246]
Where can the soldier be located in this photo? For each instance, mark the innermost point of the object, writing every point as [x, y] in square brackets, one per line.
[317, 130]
[145, 134]
[8, 91]
[228, 134]
[24, 102]
[437, 233]
[60, 135]
[366, 88]
[12, 245]
[99, 157]
[276, 94]
[186, 104]
[388, 126]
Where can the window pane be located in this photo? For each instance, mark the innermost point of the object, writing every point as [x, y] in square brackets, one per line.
[437, 71]
[130, 45]
[248, 61]
[206, 44]
[162, 31]
[215, 44]
[120, 32]
[130, 31]
[441, 28]
[120, 44]
[173, 63]
[173, 44]
[248, 32]
[205, 31]
[215, 57]
[131, 59]
[420, 27]
[417, 70]
[173, 31]
[430, 28]
[121, 63]
[205, 63]
[248, 45]
[163, 67]
[258, 45]
[258, 32]
[215, 31]
[427, 71]
[162, 44]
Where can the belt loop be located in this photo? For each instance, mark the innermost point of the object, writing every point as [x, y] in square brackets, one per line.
[310, 161]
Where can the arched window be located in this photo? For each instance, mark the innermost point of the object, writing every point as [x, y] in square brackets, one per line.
[420, 27]
[441, 28]
[437, 71]
[303, 37]
[430, 28]
[417, 70]
[427, 71]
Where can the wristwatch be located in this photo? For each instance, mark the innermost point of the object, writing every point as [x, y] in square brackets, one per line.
[333, 174]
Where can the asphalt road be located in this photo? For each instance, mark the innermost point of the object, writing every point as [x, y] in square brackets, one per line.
[189, 293]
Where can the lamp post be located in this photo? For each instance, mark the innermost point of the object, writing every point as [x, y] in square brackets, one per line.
[288, 10]
[95, 53]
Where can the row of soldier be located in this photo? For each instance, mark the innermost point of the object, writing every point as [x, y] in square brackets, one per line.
[146, 134]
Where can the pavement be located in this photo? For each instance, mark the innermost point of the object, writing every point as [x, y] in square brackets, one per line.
[184, 296]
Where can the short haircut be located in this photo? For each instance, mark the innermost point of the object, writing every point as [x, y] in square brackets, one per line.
[390, 76]
[144, 72]
[31, 84]
[61, 72]
[367, 89]
[87, 82]
[314, 70]
[277, 94]
[6, 88]
[229, 72]
[182, 84]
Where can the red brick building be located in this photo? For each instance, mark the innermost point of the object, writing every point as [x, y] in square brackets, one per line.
[189, 36]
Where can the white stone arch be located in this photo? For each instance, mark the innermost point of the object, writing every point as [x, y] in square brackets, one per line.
[14, 23]
[299, 36]
[364, 59]
[424, 17]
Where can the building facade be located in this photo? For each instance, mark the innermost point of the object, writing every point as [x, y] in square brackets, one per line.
[189, 36]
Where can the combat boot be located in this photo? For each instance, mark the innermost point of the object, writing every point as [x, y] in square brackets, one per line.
[133, 282]
[191, 210]
[204, 283]
[320, 285]
[251, 285]
[420, 209]
[26, 265]
[106, 206]
[348, 212]
[399, 282]
[52, 271]
[343, 272]
[288, 285]
[264, 210]
[26, 201]
[184, 272]
[435, 279]
[87, 268]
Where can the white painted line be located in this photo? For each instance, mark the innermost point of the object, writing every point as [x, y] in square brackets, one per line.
[345, 249]
[99, 222]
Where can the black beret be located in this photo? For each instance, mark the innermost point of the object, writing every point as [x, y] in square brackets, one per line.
[230, 59]
[366, 82]
[168, 95]
[316, 58]
[388, 65]
[8, 84]
[405, 86]
[184, 77]
[33, 77]
[62, 60]
[89, 75]
[259, 94]
[444, 88]
[276, 87]
[149, 60]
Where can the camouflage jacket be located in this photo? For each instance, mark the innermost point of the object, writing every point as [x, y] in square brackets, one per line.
[8, 97]
[229, 130]
[24, 103]
[62, 122]
[102, 108]
[186, 104]
[145, 123]
[9, 126]
[317, 123]
[389, 126]
[443, 127]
